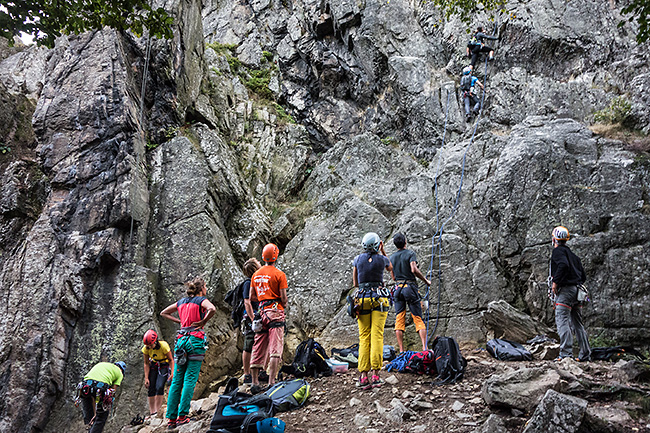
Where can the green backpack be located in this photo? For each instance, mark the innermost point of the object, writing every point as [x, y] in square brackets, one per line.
[289, 394]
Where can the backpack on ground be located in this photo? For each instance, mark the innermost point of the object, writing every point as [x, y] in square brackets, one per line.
[238, 412]
[466, 82]
[507, 350]
[450, 364]
[309, 361]
[614, 353]
[422, 363]
[389, 353]
[235, 298]
[289, 394]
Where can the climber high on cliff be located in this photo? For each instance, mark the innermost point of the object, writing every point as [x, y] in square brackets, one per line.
[476, 46]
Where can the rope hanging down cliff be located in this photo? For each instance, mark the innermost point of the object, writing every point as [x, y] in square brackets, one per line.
[437, 248]
[143, 89]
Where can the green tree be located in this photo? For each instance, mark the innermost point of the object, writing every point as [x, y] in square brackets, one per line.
[638, 10]
[48, 19]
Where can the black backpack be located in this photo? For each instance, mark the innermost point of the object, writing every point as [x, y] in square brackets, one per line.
[507, 350]
[310, 360]
[450, 364]
[238, 412]
[235, 298]
[466, 82]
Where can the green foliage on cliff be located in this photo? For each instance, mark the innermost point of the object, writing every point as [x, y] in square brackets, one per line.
[259, 83]
[48, 19]
[618, 111]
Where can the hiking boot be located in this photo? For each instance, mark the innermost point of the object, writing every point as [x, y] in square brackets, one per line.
[171, 424]
[583, 359]
[183, 420]
[376, 381]
[248, 378]
[263, 376]
[364, 383]
[256, 389]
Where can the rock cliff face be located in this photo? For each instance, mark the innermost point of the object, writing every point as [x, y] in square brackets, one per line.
[107, 208]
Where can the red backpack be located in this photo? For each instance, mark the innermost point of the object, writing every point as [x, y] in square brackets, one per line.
[422, 363]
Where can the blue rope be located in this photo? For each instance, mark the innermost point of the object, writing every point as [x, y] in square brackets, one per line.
[399, 363]
[440, 228]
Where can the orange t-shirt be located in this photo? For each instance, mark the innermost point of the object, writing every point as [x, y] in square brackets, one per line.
[267, 282]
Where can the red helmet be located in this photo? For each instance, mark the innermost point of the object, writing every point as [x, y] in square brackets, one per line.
[270, 253]
[150, 337]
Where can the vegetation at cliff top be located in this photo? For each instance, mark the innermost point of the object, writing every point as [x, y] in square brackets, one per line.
[49, 19]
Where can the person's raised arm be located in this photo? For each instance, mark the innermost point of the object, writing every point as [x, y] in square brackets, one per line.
[167, 313]
[210, 310]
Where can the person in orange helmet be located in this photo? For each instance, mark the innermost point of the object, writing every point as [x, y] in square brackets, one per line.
[269, 288]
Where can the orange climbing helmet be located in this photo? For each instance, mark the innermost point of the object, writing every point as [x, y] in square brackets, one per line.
[270, 253]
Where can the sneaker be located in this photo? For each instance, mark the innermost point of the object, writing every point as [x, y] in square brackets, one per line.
[583, 359]
[364, 383]
[256, 389]
[490, 58]
[376, 381]
[248, 378]
[183, 420]
[263, 376]
[171, 424]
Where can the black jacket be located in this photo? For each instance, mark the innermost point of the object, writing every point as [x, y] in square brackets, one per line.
[566, 267]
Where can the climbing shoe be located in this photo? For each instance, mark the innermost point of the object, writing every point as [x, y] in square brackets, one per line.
[364, 383]
[248, 378]
[171, 424]
[490, 58]
[183, 420]
[263, 376]
[376, 381]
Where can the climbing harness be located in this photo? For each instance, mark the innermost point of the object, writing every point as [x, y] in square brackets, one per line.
[372, 291]
[436, 247]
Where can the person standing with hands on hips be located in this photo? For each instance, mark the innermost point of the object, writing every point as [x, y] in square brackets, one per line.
[194, 311]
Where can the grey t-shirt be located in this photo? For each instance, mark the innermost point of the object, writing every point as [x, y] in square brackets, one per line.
[401, 261]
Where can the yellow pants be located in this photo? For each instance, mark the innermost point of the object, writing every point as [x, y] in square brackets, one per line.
[371, 334]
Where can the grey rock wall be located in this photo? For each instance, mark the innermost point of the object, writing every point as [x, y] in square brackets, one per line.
[99, 234]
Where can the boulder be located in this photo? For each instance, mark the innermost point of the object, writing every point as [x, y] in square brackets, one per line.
[505, 321]
[606, 419]
[520, 389]
[494, 424]
[557, 413]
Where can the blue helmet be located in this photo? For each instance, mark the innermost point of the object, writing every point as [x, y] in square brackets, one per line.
[467, 70]
[122, 365]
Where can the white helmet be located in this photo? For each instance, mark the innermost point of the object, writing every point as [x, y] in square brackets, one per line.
[561, 233]
[370, 242]
[467, 70]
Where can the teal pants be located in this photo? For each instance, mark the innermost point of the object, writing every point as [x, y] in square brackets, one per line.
[182, 389]
[185, 378]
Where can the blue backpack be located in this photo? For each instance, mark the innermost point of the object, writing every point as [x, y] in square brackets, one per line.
[239, 412]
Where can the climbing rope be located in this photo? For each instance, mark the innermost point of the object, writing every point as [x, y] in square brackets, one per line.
[143, 89]
[436, 249]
